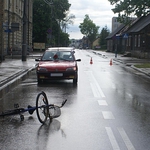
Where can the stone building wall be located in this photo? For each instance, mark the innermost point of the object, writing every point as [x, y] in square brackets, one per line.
[12, 11]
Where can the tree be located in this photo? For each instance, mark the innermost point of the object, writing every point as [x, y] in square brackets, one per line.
[64, 36]
[89, 29]
[46, 22]
[60, 8]
[66, 21]
[41, 21]
[104, 33]
[128, 8]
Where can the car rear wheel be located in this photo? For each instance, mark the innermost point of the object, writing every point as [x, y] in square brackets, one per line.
[75, 81]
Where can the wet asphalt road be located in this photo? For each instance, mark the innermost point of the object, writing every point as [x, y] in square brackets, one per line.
[109, 109]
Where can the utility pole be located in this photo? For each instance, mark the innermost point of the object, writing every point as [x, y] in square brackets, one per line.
[8, 27]
[25, 25]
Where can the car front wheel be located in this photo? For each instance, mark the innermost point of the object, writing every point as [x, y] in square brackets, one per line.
[39, 81]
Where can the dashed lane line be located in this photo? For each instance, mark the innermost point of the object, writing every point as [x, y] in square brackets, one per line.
[108, 115]
[124, 136]
[112, 138]
[97, 91]
[126, 139]
[102, 103]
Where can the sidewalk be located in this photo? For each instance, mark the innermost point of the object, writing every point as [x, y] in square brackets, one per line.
[127, 61]
[12, 72]
[130, 61]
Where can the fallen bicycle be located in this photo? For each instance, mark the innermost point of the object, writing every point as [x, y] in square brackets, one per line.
[44, 110]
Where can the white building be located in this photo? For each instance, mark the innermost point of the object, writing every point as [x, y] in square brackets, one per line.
[115, 24]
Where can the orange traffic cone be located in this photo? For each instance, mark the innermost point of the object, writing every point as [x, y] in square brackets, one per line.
[91, 61]
[111, 62]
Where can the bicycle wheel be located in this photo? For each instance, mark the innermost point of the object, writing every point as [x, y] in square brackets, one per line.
[42, 108]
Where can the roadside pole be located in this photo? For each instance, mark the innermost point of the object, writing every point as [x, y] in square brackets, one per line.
[25, 23]
[1, 30]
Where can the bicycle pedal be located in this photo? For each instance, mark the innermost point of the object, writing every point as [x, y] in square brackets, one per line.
[22, 117]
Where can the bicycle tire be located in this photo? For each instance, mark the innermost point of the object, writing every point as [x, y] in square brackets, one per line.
[42, 107]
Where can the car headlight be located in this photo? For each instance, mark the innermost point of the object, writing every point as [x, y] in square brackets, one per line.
[71, 69]
[40, 69]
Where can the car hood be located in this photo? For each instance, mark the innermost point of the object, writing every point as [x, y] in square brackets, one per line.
[56, 64]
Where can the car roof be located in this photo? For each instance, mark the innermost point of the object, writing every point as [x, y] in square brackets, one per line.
[61, 49]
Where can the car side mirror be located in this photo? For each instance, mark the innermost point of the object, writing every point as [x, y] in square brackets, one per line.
[78, 59]
[37, 59]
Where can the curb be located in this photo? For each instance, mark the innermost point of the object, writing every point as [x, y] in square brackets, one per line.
[133, 67]
[9, 83]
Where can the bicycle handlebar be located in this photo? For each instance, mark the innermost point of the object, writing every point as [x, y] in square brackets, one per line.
[63, 103]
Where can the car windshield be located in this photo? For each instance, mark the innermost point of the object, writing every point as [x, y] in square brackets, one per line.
[58, 55]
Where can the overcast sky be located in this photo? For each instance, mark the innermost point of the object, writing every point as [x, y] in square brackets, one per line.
[99, 12]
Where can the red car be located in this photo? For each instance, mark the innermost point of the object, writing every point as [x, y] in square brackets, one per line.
[57, 63]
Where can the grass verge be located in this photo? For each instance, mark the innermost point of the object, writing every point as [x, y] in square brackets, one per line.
[145, 65]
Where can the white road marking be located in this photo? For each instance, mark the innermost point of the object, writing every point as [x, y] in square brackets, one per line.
[126, 139]
[97, 91]
[108, 115]
[112, 138]
[102, 103]
[130, 95]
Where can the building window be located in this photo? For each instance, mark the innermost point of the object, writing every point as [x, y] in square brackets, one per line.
[135, 40]
[129, 42]
[139, 41]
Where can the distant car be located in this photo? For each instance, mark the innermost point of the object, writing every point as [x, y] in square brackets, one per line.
[57, 63]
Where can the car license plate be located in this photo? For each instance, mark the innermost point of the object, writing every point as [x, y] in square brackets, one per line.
[56, 74]
[71, 76]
